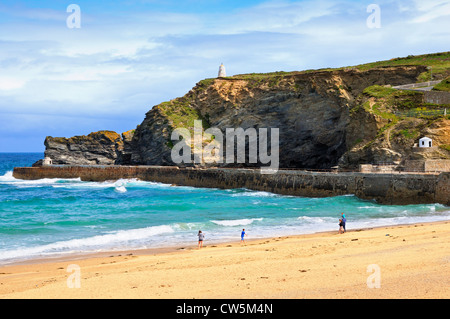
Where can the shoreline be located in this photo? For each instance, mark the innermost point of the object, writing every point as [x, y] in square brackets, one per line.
[69, 257]
[413, 259]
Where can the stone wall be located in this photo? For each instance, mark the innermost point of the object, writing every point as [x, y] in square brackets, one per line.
[414, 166]
[397, 188]
[436, 97]
[429, 165]
[437, 166]
[443, 189]
[370, 168]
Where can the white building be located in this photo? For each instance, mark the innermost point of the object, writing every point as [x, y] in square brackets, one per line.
[222, 72]
[47, 161]
[425, 142]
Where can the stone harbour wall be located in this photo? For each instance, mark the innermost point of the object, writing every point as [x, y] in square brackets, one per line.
[436, 97]
[398, 188]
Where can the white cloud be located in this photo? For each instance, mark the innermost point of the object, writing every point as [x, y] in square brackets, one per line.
[10, 83]
[272, 16]
[426, 11]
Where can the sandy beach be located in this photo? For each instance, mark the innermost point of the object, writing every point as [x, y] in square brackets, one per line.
[403, 261]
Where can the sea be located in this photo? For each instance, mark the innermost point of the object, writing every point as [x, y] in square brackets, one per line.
[63, 217]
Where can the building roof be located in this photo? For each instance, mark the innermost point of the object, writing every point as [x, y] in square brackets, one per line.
[425, 139]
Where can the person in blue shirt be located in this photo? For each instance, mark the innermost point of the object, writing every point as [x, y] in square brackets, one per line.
[242, 236]
[344, 220]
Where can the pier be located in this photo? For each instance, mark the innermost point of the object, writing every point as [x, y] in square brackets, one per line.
[384, 188]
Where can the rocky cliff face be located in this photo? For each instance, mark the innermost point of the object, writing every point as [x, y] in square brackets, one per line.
[386, 125]
[324, 118]
[98, 148]
[311, 111]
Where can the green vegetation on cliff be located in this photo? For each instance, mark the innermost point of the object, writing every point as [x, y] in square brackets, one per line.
[398, 119]
[404, 103]
[443, 86]
[379, 91]
[181, 114]
[438, 63]
[402, 99]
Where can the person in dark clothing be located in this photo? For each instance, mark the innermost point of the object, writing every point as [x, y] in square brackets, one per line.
[341, 226]
[201, 236]
[344, 220]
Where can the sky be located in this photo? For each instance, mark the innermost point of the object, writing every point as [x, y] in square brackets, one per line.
[60, 80]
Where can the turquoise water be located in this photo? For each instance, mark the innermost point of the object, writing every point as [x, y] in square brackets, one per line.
[51, 217]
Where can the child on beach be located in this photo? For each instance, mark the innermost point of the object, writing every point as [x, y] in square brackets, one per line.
[242, 236]
[201, 236]
[341, 226]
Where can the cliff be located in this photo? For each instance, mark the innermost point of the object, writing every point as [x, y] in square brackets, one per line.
[98, 148]
[345, 116]
[386, 124]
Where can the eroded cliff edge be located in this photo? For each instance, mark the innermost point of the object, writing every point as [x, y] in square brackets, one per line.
[325, 118]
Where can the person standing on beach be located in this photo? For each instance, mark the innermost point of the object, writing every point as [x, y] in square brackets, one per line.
[341, 226]
[242, 236]
[344, 220]
[201, 236]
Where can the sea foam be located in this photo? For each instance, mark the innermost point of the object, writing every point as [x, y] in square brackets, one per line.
[9, 179]
[236, 222]
[107, 241]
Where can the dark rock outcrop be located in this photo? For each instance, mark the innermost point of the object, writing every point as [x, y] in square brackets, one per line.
[98, 148]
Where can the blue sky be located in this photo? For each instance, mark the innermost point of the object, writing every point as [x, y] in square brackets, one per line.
[133, 54]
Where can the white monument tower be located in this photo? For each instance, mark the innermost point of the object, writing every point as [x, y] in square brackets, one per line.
[222, 72]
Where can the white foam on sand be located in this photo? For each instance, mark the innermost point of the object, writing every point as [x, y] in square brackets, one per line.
[107, 241]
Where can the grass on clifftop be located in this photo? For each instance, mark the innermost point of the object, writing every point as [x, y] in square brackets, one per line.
[390, 103]
[437, 60]
[439, 63]
[443, 86]
[261, 76]
[378, 91]
[394, 99]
